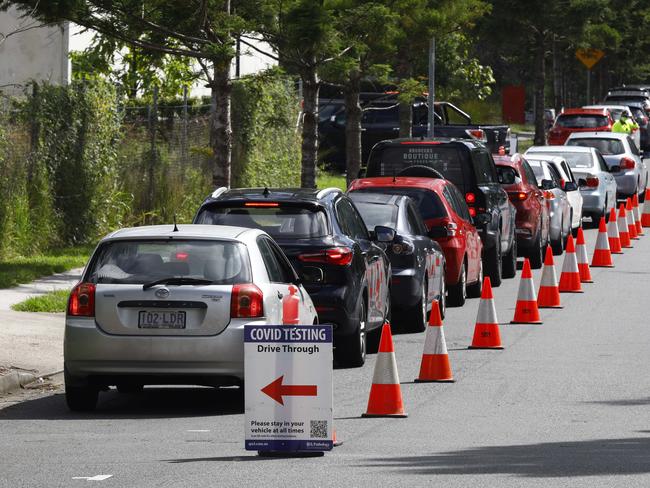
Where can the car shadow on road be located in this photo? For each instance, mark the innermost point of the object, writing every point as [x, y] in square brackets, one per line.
[176, 402]
[224, 459]
[628, 402]
[596, 457]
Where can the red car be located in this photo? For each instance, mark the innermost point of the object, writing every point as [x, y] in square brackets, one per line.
[579, 120]
[532, 220]
[447, 217]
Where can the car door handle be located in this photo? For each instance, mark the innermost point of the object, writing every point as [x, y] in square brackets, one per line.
[280, 295]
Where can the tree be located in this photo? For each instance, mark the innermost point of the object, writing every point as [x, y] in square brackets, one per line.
[204, 30]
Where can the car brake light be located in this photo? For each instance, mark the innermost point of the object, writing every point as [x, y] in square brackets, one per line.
[518, 196]
[472, 212]
[82, 300]
[549, 195]
[182, 256]
[338, 256]
[627, 163]
[470, 198]
[246, 301]
[592, 182]
[423, 143]
[261, 204]
[476, 134]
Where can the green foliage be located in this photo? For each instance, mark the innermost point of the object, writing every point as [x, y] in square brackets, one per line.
[52, 302]
[325, 179]
[266, 150]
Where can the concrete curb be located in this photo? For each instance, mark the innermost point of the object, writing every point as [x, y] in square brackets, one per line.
[14, 380]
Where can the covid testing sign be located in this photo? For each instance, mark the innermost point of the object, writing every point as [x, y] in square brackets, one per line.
[288, 387]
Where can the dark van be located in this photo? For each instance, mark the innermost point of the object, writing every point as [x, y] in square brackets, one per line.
[468, 165]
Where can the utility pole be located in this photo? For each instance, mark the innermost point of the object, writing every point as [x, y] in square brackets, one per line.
[432, 87]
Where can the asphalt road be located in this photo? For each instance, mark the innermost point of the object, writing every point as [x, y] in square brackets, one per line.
[565, 403]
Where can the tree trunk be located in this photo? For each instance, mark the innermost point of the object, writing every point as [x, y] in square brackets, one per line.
[353, 114]
[540, 83]
[310, 88]
[557, 77]
[220, 124]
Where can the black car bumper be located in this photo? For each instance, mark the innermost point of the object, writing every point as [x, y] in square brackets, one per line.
[406, 288]
[336, 305]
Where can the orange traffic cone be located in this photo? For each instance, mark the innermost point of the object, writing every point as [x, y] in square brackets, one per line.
[637, 215]
[631, 226]
[335, 441]
[570, 277]
[623, 231]
[435, 365]
[612, 234]
[645, 217]
[526, 309]
[486, 330]
[549, 292]
[385, 393]
[602, 255]
[581, 253]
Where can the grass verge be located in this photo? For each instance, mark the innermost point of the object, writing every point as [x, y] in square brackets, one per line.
[55, 301]
[24, 269]
[325, 179]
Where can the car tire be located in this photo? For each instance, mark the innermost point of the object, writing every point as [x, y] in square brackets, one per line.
[442, 303]
[492, 263]
[536, 254]
[474, 290]
[416, 316]
[509, 262]
[351, 351]
[458, 293]
[81, 398]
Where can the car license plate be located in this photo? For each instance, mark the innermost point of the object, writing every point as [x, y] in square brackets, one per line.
[161, 320]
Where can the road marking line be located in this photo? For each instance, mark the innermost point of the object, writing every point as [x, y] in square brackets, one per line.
[199, 430]
[99, 477]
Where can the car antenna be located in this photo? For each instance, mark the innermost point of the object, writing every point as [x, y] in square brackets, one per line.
[266, 192]
[175, 226]
[394, 178]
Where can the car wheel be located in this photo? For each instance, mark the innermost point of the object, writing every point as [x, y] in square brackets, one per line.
[416, 316]
[81, 399]
[492, 262]
[458, 292]
[351, 351]
[536, 254]
[474, 290]
[510, 261]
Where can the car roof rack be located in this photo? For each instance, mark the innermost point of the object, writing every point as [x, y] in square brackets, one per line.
[218, 192]
[326, 191]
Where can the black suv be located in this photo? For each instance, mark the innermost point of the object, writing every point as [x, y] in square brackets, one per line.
[468, 165]
[346, 274]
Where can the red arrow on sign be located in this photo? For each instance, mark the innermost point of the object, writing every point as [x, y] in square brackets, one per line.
[277, 390]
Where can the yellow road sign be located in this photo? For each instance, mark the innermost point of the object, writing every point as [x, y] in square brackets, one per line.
[589, 57]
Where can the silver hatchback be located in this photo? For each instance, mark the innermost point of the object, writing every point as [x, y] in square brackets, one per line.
[160, 305]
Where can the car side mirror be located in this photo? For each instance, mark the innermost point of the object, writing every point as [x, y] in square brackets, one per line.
[570, 186]
[437, 232]
[614, 169]
[482, 219]
[582, 182]
[311, 274]
[548, 184]
[384, 234]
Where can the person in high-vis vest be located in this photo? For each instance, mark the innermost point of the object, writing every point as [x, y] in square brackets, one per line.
[624, 124]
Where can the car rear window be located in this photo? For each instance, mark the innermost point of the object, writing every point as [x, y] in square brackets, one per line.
[581, 121]
[607, 147]
[427, 202]
[507, 175]
[374, 214]
[446, 160]
[579, 160]
[537, 168]
[143, 261]
[280, 222]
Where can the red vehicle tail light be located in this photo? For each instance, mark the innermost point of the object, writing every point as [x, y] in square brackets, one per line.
[182, 256]
[82, 300]
[338, 256]
[549, 195]
[470, 198]
[627, 163]
[592, 182]
[518, 196]
[476, 134]
[472, 212]
[262, 204]
[246, 301]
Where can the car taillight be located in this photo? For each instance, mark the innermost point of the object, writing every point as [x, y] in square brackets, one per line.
[470, 198]
[472, 212]
[549, 195]
[82, 300]
[261, 204]
[592, 182]
[476, 134]
[518, 196]
[182, 256]
[246, 301]
[338, 256]
[627, 163]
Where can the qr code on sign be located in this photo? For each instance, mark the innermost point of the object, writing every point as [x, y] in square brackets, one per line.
[318, 429]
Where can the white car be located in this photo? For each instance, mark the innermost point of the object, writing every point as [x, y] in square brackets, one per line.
[167, 305]
[616, 111]
[568, 182]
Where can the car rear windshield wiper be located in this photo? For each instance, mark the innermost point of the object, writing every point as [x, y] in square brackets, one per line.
[176, 280]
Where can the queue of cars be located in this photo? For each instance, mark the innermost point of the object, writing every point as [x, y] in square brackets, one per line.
[427, 221]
